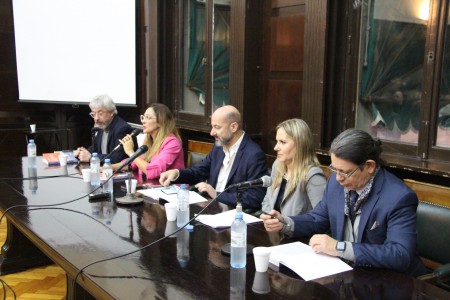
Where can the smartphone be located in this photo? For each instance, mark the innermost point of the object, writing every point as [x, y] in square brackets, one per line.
[169, 191]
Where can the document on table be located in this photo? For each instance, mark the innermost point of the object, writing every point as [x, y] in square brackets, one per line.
[225, 219]
[170, 194]
[309, 265]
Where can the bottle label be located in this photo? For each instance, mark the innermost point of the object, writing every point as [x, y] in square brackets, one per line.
[32, 152]
[238, 239]
[107, 173]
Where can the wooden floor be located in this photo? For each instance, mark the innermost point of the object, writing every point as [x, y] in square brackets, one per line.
[47, 282]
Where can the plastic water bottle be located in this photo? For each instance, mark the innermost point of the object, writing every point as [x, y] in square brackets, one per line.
[95, 170]
[238, 257]
[107, 173]
[182, 206]
[31, 153]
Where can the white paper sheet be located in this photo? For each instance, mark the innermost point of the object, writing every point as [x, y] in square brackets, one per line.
[169, 194]
[225, 219]
[309, 265]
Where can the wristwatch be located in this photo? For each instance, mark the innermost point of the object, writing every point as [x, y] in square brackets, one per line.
[340, 246]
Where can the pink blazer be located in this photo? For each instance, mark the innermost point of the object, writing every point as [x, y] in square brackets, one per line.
[170, 156]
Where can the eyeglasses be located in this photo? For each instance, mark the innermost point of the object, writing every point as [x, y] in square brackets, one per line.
[99, 114]
[346, 175]
[146, 118]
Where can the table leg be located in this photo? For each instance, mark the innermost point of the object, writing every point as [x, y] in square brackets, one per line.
[75, 291]
[19, 254]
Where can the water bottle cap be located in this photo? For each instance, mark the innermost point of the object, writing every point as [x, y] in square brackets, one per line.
[190, 227]
[107, 161]
[32, 141]
[183, 186]
[95, 154]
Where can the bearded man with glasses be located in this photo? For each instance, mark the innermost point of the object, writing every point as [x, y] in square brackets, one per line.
[369, 212]
[108, 129]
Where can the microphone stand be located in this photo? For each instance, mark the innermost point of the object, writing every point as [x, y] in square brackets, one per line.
[129, 198]
[107, 155]
[226, 248]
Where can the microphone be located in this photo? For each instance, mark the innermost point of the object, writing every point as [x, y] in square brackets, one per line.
[141, 150]
[264, 181]
[135, 132]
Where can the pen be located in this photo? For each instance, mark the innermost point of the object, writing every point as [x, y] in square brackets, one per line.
[273, 217]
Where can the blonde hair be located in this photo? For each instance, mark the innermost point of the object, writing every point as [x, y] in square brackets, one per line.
[304, 158]
[167, 126]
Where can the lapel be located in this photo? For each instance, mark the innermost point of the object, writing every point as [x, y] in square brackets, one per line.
[216, 163]
[370, 203]
[274, 196]
[237, 159]
[338, 209]
[98, 141]
[110, 129]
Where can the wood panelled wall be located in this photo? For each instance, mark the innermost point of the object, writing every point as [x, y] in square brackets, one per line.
[282, 65]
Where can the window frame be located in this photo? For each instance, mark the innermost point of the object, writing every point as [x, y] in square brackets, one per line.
[433, 56]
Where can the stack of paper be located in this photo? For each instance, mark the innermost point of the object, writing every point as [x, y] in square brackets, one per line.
[309, 265]
[170, 194]
[225, 219]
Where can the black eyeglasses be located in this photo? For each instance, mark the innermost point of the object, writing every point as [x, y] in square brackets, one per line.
[346, 175]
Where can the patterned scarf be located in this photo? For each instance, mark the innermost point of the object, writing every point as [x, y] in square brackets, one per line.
[361, 199]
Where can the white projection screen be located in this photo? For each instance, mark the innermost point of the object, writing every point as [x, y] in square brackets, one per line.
[69, 51]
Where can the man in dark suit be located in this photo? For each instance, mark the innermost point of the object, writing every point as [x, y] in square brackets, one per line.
[371, 213]
[234, 158]
[108, 129]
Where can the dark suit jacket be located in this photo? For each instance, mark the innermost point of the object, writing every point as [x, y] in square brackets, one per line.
[249, 164]
[391, 204]
[117, 130]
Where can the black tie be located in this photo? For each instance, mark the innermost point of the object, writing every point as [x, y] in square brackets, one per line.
[353, 198]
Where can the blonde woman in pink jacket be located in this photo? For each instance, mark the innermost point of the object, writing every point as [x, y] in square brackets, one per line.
[165, 150]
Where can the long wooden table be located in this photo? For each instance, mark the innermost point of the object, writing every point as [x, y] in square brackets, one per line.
[189, 265]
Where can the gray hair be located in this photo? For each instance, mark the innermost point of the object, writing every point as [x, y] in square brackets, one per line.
[357, 146]
[103, 101]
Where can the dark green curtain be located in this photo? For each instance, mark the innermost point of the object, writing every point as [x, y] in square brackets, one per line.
[221, 52]
[197, 50]
[391, 83]
[221, 56]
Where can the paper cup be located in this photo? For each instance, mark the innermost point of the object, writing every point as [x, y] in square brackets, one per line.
[262, 256]
[62, 160]
[132, 189]
[33, 127]
[171, 227]
[171, 211]
[86, 175]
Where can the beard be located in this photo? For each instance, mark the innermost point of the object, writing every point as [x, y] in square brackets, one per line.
[224, 141]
